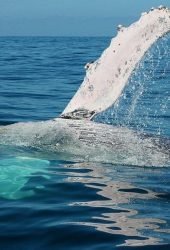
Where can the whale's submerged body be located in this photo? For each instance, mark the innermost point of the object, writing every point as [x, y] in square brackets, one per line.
[74, 134]
[87, 140]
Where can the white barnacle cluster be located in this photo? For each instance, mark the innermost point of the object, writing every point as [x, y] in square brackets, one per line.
[120, 27]
[161, 7]
[88, 65]
[144, 13]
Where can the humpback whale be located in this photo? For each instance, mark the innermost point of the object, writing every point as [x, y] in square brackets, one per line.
[74, 133]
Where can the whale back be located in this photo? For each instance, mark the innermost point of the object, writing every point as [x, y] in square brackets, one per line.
[106, 77]
[83, 140]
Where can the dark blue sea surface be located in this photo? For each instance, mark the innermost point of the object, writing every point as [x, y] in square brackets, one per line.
[57, 204]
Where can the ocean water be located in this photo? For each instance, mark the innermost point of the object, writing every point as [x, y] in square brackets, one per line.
[61, 204]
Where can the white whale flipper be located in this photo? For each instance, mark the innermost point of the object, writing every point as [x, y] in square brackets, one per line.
[106, 77]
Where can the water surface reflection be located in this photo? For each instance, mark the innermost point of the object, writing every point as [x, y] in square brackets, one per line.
[133, 196]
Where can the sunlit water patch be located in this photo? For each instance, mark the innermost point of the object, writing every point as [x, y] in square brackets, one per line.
[15, 173]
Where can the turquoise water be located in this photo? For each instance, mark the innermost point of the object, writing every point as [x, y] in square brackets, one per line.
[62, 204]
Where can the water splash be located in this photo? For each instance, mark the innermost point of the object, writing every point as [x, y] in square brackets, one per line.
[136, 107]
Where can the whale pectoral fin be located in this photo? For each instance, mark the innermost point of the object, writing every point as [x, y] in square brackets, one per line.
[106, 77]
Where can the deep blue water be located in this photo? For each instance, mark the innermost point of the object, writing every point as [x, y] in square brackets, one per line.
[47, 204]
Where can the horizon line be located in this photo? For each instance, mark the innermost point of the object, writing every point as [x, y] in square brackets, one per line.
[55, 36]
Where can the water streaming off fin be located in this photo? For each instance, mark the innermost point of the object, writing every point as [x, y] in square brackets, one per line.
[145, 103]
